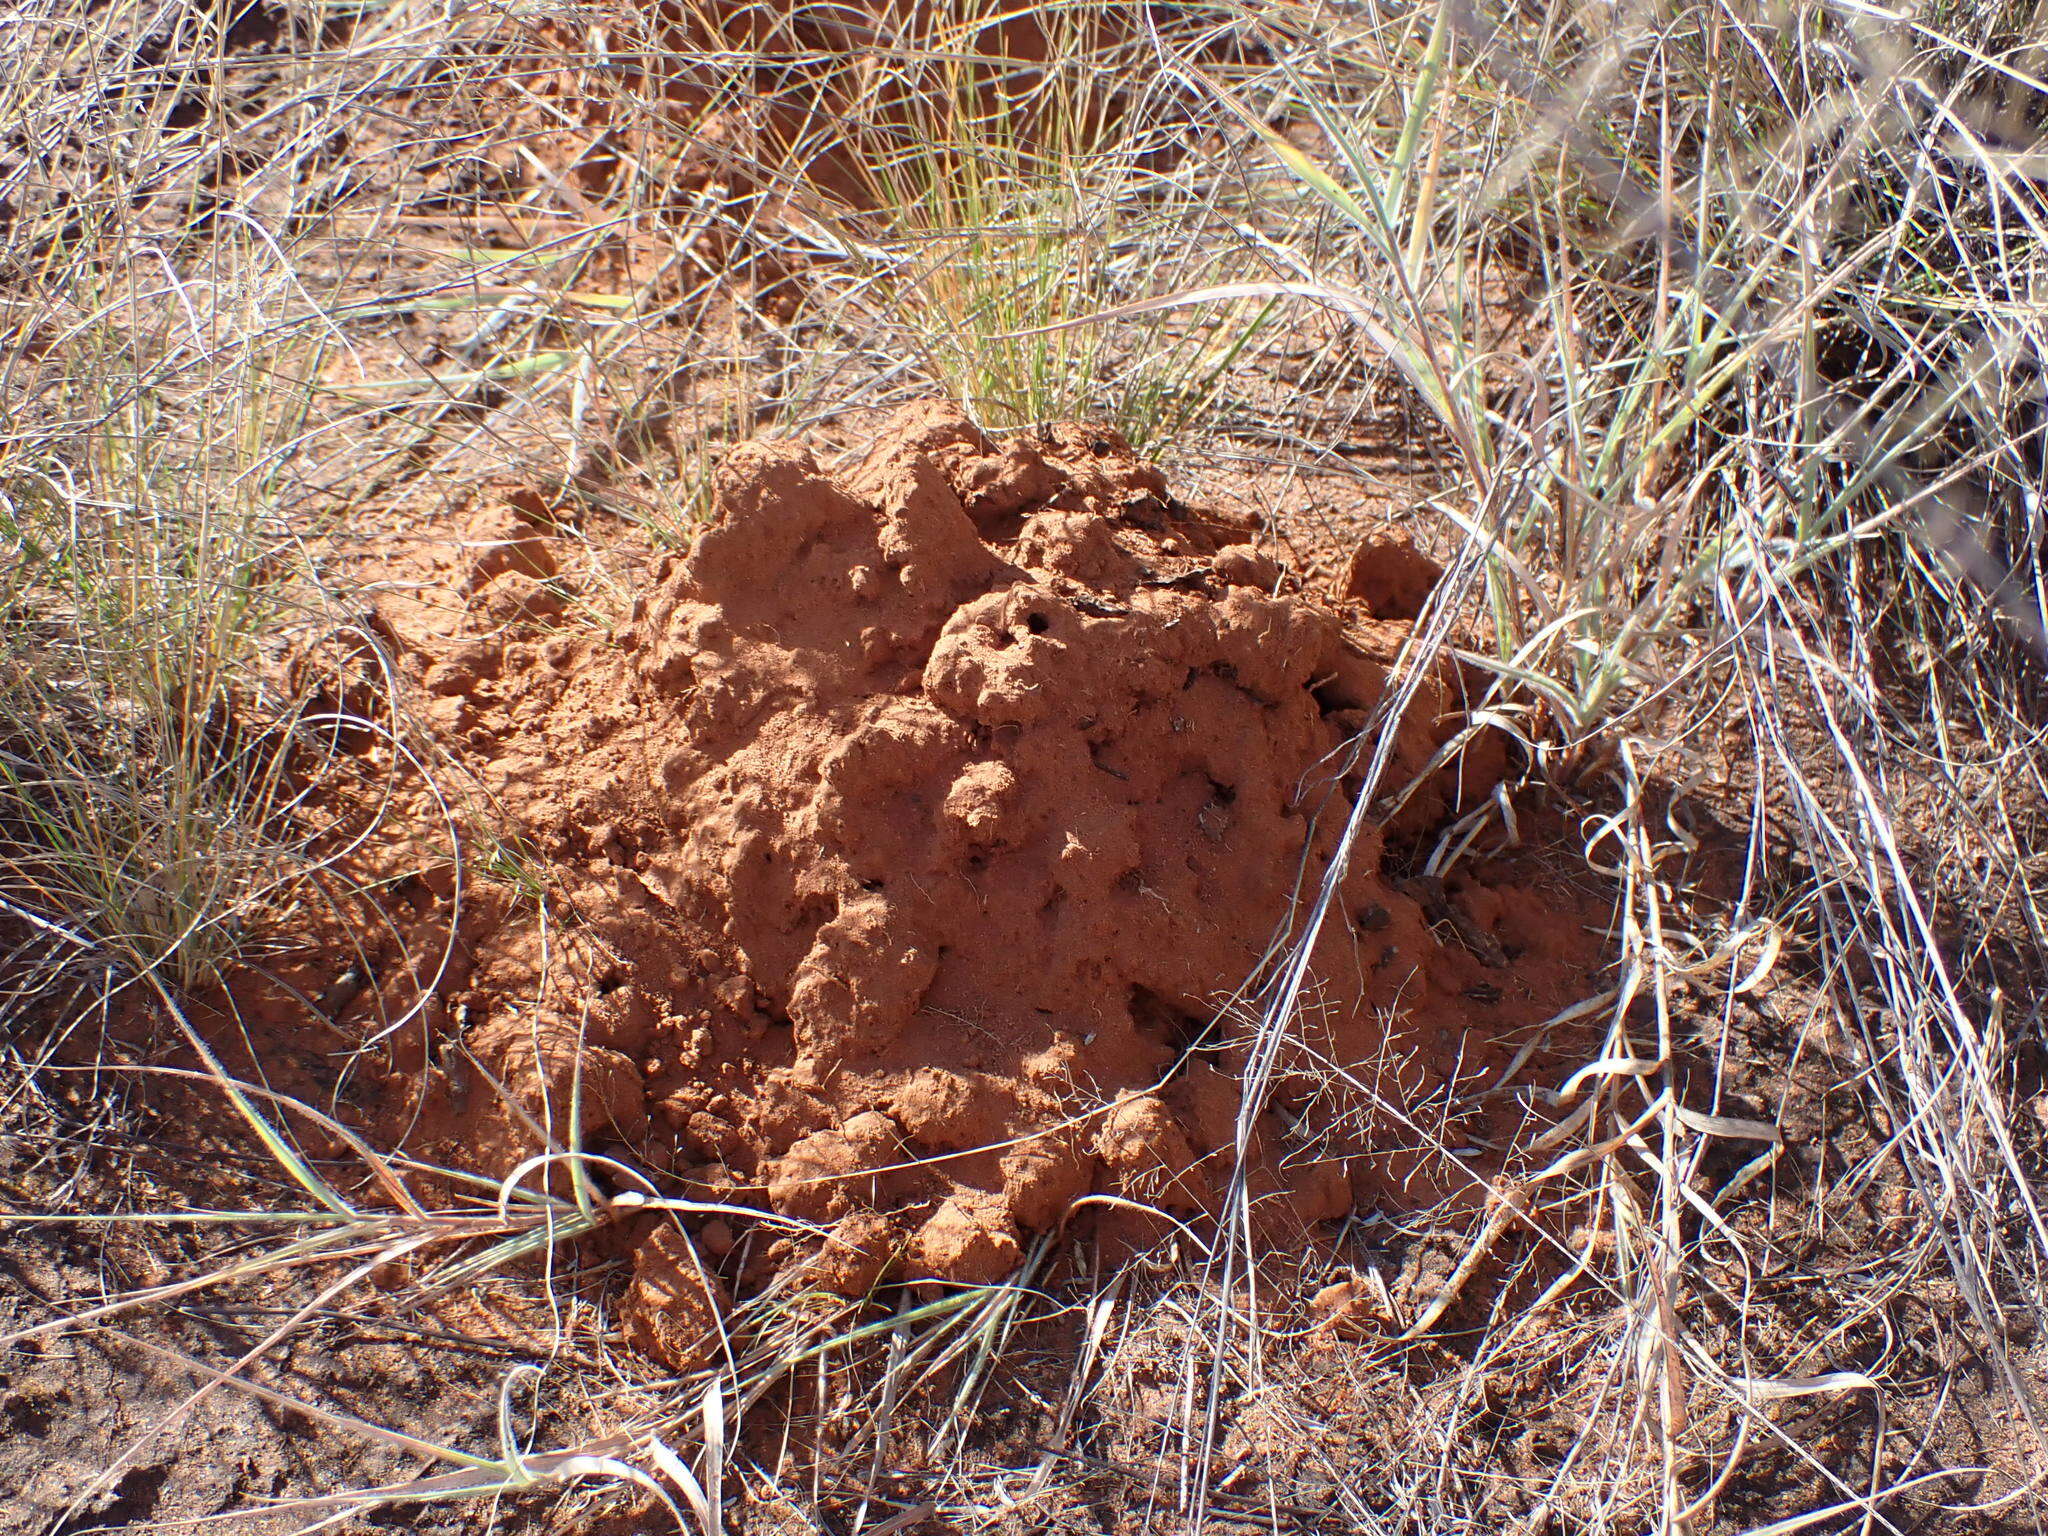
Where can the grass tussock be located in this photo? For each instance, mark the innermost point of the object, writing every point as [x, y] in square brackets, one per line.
[1714, 337]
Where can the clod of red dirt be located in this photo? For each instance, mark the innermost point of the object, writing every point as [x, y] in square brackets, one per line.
[857, 1254]
[906, 846]
[674, 1308]
[1391, 577]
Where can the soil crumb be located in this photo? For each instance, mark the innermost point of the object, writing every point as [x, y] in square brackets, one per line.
[1391, 577]
[907, 849]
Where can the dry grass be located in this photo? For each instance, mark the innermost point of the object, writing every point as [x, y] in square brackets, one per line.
[1747, 527]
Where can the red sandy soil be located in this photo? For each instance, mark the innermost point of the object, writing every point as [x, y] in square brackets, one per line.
[831, 93]
[905, 851]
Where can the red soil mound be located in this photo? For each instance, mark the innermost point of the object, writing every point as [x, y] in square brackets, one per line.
[906, 845]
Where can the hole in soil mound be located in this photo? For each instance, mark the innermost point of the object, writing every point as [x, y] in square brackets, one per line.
[901, 854]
